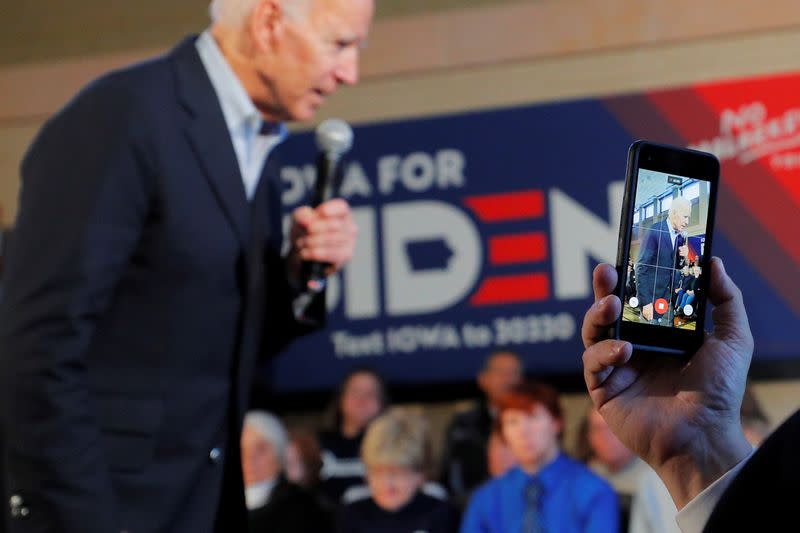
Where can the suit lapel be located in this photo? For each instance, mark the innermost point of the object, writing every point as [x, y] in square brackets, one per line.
[208, 135]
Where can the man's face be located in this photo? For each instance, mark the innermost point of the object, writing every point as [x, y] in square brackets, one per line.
[531, 435]
[501, 374]
[259, 458]
[392, 487]
[679, 217]
[310, 56]
[361, 399]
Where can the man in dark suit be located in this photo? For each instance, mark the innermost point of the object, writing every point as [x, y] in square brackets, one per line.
[145, 281]
[661, 256]
[683, 418]
[464, 464]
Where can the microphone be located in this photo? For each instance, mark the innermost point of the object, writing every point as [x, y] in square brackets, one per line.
[334, 138]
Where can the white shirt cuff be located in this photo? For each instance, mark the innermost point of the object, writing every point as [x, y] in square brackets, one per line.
[693, 517]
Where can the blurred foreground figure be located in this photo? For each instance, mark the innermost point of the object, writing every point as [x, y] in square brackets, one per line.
[145, 283]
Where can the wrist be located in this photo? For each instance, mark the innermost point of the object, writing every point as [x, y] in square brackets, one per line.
[707, 458]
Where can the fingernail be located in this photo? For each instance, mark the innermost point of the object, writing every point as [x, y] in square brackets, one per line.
[602, 301]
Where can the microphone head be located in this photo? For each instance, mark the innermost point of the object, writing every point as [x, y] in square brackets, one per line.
[334, 136]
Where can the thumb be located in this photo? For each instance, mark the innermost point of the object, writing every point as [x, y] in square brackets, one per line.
[729, 315]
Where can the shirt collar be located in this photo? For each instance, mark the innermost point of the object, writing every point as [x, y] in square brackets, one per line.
[258, 494]
[548, 475]
[237, 107]
[672, 233]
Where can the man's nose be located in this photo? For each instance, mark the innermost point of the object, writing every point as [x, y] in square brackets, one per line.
[347, 70]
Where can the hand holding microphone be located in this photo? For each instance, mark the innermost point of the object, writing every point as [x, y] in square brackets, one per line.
[323, 234]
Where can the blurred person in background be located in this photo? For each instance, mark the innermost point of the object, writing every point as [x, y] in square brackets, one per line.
[396, 452]
[607, 457]
[499, 456]
[361, 397]
[653, 510]
[273, 502]
[547, 491]
[303, 458]
[464, 460]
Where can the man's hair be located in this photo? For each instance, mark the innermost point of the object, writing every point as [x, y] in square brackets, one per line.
[271, 429]
[678, 202]
[234, 13]
[335, 416]
[497, 353]
[526, 396]
[397, 438]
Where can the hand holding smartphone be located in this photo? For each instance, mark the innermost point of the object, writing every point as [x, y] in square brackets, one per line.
[665, 247]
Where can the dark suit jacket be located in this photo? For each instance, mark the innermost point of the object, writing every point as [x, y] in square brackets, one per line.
[290, 509]
[655, 265]
[763, 497]
[141, 286]
[464, 461]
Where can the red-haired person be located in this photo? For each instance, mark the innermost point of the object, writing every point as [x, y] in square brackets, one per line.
[547, 491]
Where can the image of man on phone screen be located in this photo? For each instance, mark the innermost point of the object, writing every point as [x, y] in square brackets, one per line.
[663, 252]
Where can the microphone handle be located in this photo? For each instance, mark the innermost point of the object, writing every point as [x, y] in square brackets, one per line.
[326, 187]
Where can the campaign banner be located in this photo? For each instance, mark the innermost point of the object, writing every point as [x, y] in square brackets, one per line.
[480, 230]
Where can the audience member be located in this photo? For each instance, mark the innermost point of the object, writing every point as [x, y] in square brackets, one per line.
[547, 491]
[464, 457]
[273, 502]
[610, 459]
[499, 456]
[361, 397]
[396, 452]
[303, 458]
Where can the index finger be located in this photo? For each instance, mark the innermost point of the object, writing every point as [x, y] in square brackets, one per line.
[606, 307]
[604, 280]
[336, 207]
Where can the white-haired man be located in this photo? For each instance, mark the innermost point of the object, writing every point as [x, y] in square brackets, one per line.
[147, 280]
[663, 252]
[275, 504]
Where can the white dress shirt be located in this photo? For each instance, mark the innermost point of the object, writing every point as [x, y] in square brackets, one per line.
[252, 139]
[693, 517]
[257, 495]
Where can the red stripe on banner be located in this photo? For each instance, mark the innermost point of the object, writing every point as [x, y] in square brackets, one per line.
[507, 206]
[643, 120]
[510, 289]
[752, 212]
[753, 184]
[521, 248]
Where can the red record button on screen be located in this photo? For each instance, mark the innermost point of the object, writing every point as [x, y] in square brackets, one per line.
[661, 306]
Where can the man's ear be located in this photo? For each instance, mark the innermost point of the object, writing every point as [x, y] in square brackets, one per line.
[560, 427]
[482, 380]
[266, 24]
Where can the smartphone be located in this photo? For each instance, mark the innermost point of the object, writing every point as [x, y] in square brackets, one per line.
[664, 250]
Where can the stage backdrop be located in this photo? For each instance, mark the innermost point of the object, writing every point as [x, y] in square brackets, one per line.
[480, 230]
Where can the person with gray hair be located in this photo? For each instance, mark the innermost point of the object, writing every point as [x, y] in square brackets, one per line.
[131, 331]
[396, 452]
[274, 504]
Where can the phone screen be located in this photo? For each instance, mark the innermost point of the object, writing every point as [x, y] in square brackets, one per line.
[668, 235]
